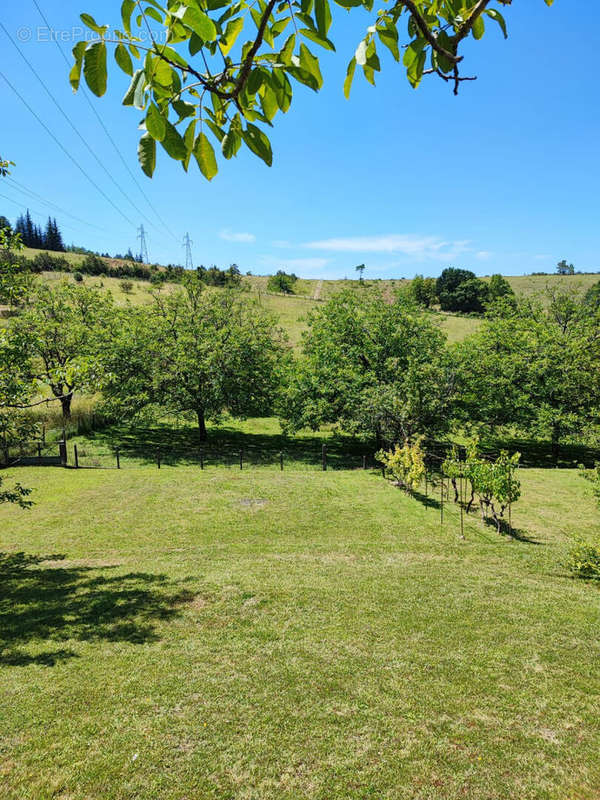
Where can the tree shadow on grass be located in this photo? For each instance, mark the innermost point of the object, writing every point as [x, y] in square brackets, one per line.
[183, 445]
[42, 602]
[517, 534]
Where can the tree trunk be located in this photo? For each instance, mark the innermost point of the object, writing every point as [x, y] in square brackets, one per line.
[202, 425]
[65, 402]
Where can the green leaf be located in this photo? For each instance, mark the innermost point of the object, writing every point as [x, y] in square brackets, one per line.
[349, 77]
[497, 16]
[123, 59]
[94, 67]
[231, 143]
[257, 141]
[389, 38]
[268, 101]
[156, 124]
[310, 63]
[91, 23]
[137, 81]
[205, 156]
[147, 154]
[200, 23]
[232, 31]
[478, 28]
[317, 38]
[173, 142]
[322, 17]
[75, 74]
[188, 138]
[127, 8]
[283, 89]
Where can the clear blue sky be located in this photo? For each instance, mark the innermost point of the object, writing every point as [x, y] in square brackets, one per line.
[503, 178]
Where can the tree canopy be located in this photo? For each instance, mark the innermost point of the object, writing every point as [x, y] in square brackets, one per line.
[373, 367]
[198, 351]
[197, 77]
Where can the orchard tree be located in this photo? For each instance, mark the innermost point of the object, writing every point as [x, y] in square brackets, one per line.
[499, 288]
[201, 351]
[461, 290]
[216, 69]
[534, 366]
[375, 368]
[58, 333]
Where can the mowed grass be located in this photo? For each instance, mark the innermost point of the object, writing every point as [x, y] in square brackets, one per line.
[183, 635]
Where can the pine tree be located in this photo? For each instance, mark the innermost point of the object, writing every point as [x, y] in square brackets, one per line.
[59, 245]
[29, 231]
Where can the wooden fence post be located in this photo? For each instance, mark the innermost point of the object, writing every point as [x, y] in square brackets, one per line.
[324, 457]
[442, 498]
[39, 452]
[62, 450]
[241, 459]
[281, 460]
[118, 458]
[158, 458]
[364, 462]
[76, 456]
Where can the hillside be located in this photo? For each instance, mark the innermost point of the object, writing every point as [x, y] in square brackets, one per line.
[292, 309]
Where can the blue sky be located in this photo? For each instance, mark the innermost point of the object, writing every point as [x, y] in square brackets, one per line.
[503, 178]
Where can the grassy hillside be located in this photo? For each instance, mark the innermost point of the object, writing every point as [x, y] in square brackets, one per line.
[292, 635]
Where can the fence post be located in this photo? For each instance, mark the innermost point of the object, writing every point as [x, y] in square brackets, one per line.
[76, 456]
[442, 497]
[118, 458]
[426, 491]
[281, 460]
[158, 458]
[364, 462]
[39, 451]
[462, 508]
[324, 457]
[62, 451]
[44, 434]
[241, 459]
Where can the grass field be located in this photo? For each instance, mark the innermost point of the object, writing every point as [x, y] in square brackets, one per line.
[182, 635]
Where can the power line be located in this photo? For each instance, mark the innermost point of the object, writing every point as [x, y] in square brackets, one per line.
[19, 204]
[66, 152]
[106, 131]
[19, 187]
[70, 123]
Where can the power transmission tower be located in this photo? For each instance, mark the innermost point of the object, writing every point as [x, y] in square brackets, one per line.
[187, 243]
[143, 246]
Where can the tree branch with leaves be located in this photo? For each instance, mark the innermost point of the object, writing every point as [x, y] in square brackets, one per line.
[194, 77]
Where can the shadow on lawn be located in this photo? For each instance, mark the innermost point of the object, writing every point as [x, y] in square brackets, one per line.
[40, 601]
[183, 445]
[517, 534]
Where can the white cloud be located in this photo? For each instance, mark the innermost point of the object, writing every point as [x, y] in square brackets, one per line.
[483, 255]
[233, 236]
[417, 247]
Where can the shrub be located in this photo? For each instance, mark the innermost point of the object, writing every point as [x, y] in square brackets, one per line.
[405, 464]
[584, 560]
[282, 282]
[460, 290]
[126, 286]
[77, 276]
[45, 262]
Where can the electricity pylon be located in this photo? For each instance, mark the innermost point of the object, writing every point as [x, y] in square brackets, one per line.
[143, 246]
[187, 243]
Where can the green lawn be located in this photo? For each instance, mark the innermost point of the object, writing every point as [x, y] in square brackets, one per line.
[182, 635]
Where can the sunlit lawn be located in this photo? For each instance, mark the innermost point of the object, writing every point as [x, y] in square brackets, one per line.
[181, 635]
